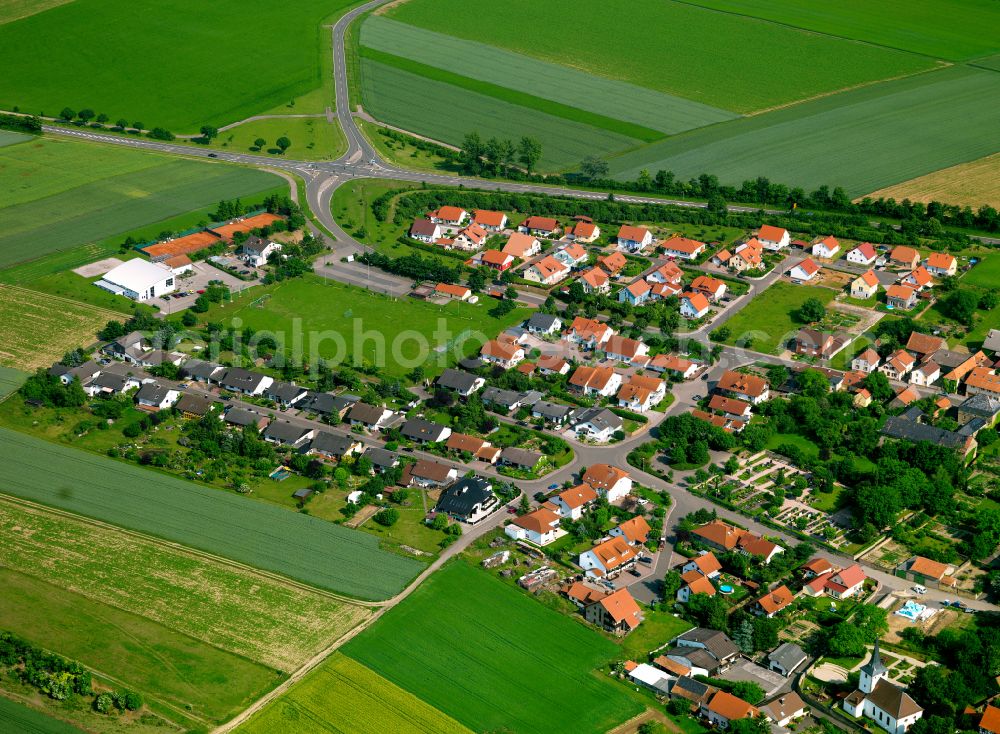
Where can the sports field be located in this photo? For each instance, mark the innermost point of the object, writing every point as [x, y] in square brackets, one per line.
[968, 184]
[255, 533]
[37, 330]
[59, 194]
[223, 63]
[342, 695]
[428, 107]
[723, 60]
[251, 614]
[342, 322]
[952, 30]
[162, 664]
[448, 645]
[768, 320]
[862, 140]
[16, 717]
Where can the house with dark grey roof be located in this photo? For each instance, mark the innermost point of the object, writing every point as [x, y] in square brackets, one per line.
[381, 459]
[284, 433]
[471, 363]
[241, 417]
[109, 383]
[460, 381]
[552, 413]
[544, 324]
[370, 417]
[329, 445]
[128, 348]
[982, 406]
[84, 372]
[692, 690]
[196, 406]
[520, 458]
[237, 379]
[199, 371]
[909, 427]
[425, 431]
[509, 400]
[285, 394]
[470, 500]
[154, 396]
[715, 642]
[596, 424]
[786, 658]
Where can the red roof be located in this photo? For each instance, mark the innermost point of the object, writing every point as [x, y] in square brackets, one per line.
[631, 233]
[808, 266]
[487, 218]
[867, 250]
[771, 233]
[544, 224]
[684, 245]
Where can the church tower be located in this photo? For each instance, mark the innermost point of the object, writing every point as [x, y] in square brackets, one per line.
[872, 672]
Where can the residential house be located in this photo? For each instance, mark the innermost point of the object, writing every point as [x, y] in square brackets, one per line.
[804, 272]
[685, 369]
[685, 688]
[694, 305]
[623, 349]
[982, 380]
[242, 418]
[334, 446]
[865, 286]
[608, 559]
[595, 280]
[919, 279]
[381, 459]
[540, 527]
[785, 709]
[612, 263]
[669, 272]
[597, 424]
[426, 231]
[712, 288]
[634, 239]
[585, 232]
[539, 226]
[904, 257]
[979, 405]
[610, 482]
[547, 271]
[553, 414]
[926, 374]
[747, 256]
[773, 238]
[583, 593]
[331, 406]
[880, 700]
[636, 293]
[724, 708]
[863, 254]
[502, 354]
[826, 247]
[641, 393]
[683, 248]
[867, 361]
[428, 474]
[461, 382]
[552, 364]
[941, 264]
[571, 255]
[617, 613]
[369, 417]
[927, 572]
[129, 348]
[154, 396]
[723, 651]
[520, 458]
[898, 364]
[522, 246]
[284, 433]
[773, 601]
[721, 536]
[814, 343]
[425, 431]
[455, 292]
[85, 372]
[199, 371]
[635, 531]
[470, 500]
[476, 447]
[489, 220]
[285, 394]
[509, 400]
[497, 260]
[256, 251]
[602, 381]
[924, 345]
[588, 333]
[749, 387]
[901, 296]
[786, 658]
[989, 723]
[451, 216]
[730, 407]
[237, 379]
[705, 563]
[572, 503]
[693, 582]
[842, 584]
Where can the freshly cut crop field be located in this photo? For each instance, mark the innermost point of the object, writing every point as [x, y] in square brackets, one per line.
[447, 644]
[862, 140]
[36, 330]
[253, 615]
[145, 656]
[952, 30]
[402, 99]
[17, 717]
[563, 84]
[723, 60]
[58, 194]
[342, 695]
[967, 184]
[227, 61]
[255, 533]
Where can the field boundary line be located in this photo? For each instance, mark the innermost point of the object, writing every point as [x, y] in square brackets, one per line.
[14, 500]
[63, 299]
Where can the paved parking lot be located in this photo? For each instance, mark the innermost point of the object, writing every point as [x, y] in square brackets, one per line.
[195, 281]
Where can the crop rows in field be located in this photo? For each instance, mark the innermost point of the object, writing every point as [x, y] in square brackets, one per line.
[431, 108]
[16, 717]
[36, 331]
[727, 61]
[967, 184]
[257, 534]
[492, 657]
[250, 614]
[10, 380]
[613, 99]
[344, 696]
[862, 140]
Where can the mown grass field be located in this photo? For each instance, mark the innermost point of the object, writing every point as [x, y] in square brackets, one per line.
[343, 322]
[768, 320]
[36, 331]
[952, 31]
[57, 194]
[185, 68]
[986, 273]
[891, 130]
[448, 645]
[672, 47]
[274, 539]
[313, 138]
[967, 184]
[428, 107]
[250, 614]
[197, 680]
[342, 695]
[579, 91]
[16, 717]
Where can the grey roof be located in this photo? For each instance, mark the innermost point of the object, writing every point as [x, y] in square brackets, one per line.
[691, 689]
[365, 413]
[381, 457]
[110, 381]
[242, 417]
[972, 427]
[424, 227]
[130, 339]
[531, 397]
[992, 341]
[893, 700]
[334, 444]
[462, 497]
[283, 392]
[551, 411]
[982, 405]
[947, 358]
[788, 655]
[86, 369]
[422, 429]
[600, 418]
[472, 363]
[457, 380]
[285, 432]
[240, 378]
[874, 666]
[718, 643]
[254, 245]
[544, 321]
[698, 657]
[901, 427]
[152, 392]
[199, 369]
[520, 457]
[505, 398]
[195, 404]
[319, 402]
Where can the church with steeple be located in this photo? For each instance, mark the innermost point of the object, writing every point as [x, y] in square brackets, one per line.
[881, 700]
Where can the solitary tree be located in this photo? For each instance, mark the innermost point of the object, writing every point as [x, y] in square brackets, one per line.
[259, 143]
[208, 132]
[138, 125]
[529, 152]
[283, 143]
[67, 114]
[811, 310]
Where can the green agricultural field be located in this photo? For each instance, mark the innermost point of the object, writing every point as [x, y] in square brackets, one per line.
[58, 194]
[400, 98]
[255, 533]
[491, 657]
[676, 48]
[190, 676]
[224, 63]
[892, 131]
[16, 717]
[768, 319]
[11, 380]
[545, 81]
[344, 696]
[952, 31]
[10, 138]
[253, 615]
[342, 322]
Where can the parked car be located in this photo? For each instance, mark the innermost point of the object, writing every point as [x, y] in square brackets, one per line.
[635, 572]
[920, 589]
[553, 486]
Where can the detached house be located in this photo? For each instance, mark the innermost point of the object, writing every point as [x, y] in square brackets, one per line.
[595, 280]
[471, 238]
[617, 613]
[827, 247]
[773, 238]
[804, 272]
[464, 383]
[497, 260]
[634, 239]
[926, 374]
[904, 257]
[602, 381]
[863, 254]
[456, 292]
[451, 216]
[724, 708]
[571, 255]
[489, 220]
[544, 324]
[572, 503]
[609, 481]
[694, 305]
[470, 500]
[588, 333]
[898, 364]
[597, 424]
[425, 230]
[522, 246]
[585, 232]
[641, 394]
[919, 279]
[623, 349]
[813, 343]
[773, 601]
[256, 251]
[547, 271]
[635, 531]
[370, 417]
[428, 474]
[712, 288]
[608, 559]
[867, 361]
[941, 264]
[539, 226]
[752, 388]
[865, 286]
[683, 248]
[284, 433]
[425, 431]
[237, 379]
[683, 368]
[636, 293]
[901, 296]
[502, 354]
[540, 527]
[154, 396]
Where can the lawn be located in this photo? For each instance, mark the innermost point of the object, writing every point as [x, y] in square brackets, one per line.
[911, 25]
[60, 194]
[224, 63]
[344, 696]
[889, 128]
[400, 98]
[403, 153]
[657, 628]
[205, 683]
[341, 322]
[250, 614]
[967, 184]
[579, 91]
[768, 319]
[255, 533]
[16, 717]
[985, 274]
[36, 331]
[313, 138]
[809, 448]
[671, 47]
[492, 657]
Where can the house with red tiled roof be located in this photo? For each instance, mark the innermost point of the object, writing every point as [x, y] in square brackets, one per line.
[898, 364]
[862, 254]
[613, 263]
[546, 271]
[635, 531]
[865, 286]
[989, 723]
[804, 272]
[608, 559]
[684, 368]
[904, 257]
[825, 247]
[609, 481]
[982, 380]
[641, 393]
[773, 601]
[601, 381]
[623, 349]
[901, 296]
[571, 255]
[752, 388]
[458, 292]
[667, 273]
[585, 232]
[748, 256]
[582, 593]
[712, 288]
[730, 407]
[595, 280]
[540, 527]
[867, 361]
[705, 563]
[919, 279]
[634, 239]
[588, 333]
[490, 220]
[552, 364]
[636, 293]
[452, 216]
[694, 305]
[941, 264]
[683, 248]
[694, 582]
[572, 503]
[773, 238]
[540, 226]
[471, 238]
[522, 246]
[617, 613]
[497, 259]
[724, 708]
[502, 354]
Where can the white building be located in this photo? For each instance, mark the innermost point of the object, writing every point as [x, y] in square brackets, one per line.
[883, 702]
[139, 280]
[773, 238]
[540, 527]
